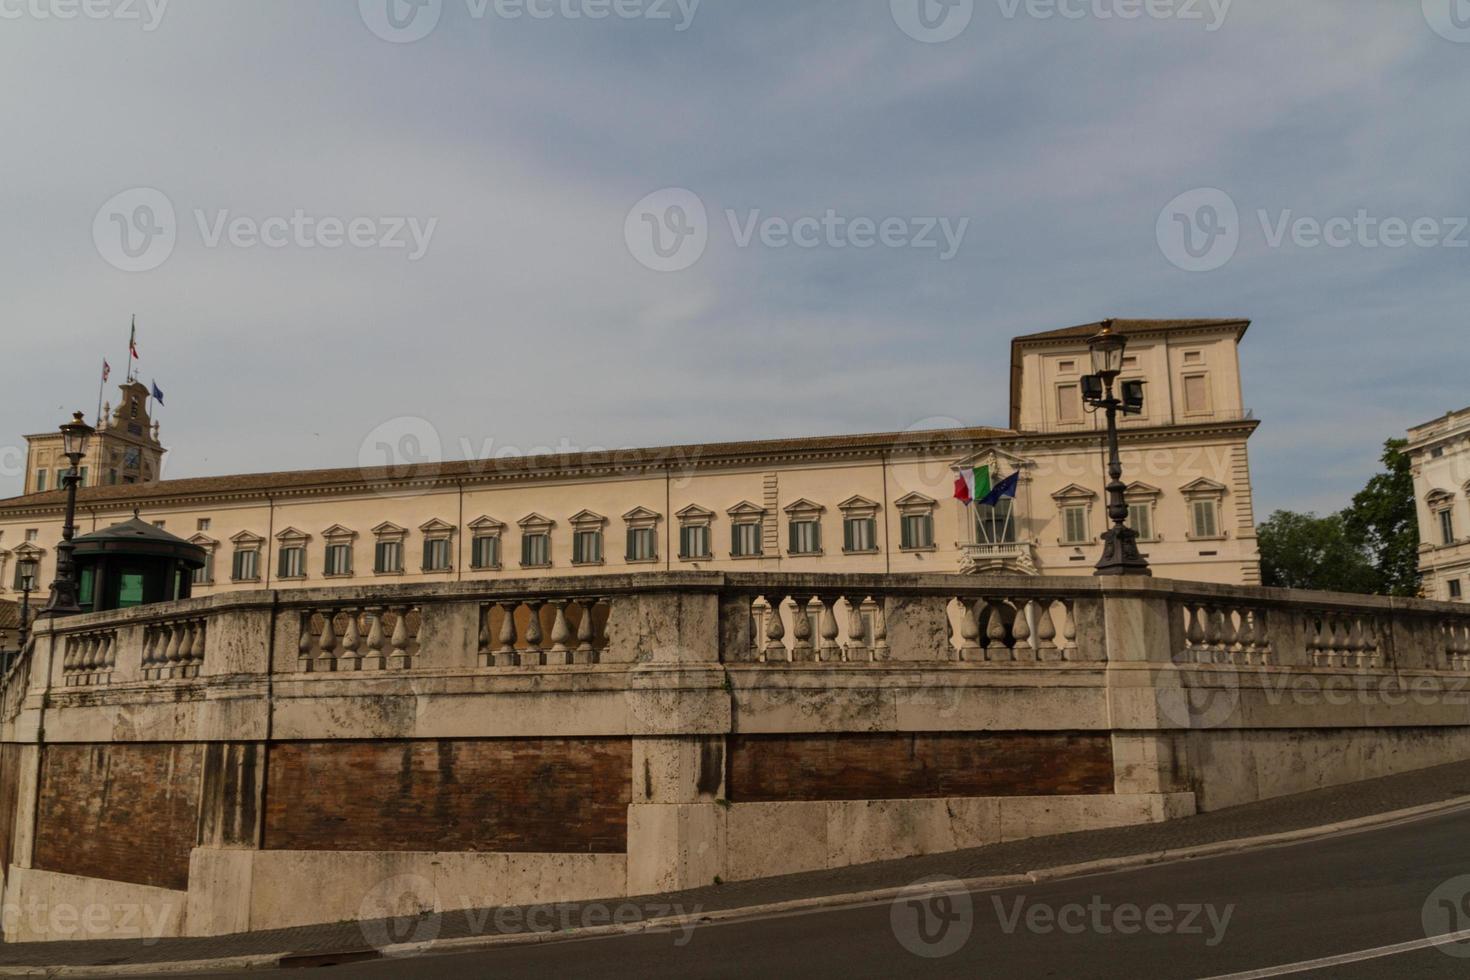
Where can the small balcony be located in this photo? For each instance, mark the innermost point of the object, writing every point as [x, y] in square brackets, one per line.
[1010, 558]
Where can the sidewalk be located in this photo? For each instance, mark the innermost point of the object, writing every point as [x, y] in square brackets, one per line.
[343, 942]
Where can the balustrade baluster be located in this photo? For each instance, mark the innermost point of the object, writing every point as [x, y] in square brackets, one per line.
[969, 632]
[400, 658]
[775, 648]
[801, 631]
[505, 654]
[1070, 650]
[880, 630]
[857, 631]
[351, 643]
[326, 660]
[376, 641]
[1021, 631]
[830, 652]
[307, 643]
[533, 654]
[586, 633]
[1046, 633]
[998, 651]
[561, 635]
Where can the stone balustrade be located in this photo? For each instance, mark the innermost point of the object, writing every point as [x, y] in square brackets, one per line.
[666, 727]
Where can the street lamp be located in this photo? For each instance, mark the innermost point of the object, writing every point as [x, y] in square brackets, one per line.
[27, 569]
[1120, 542]
[63, 602]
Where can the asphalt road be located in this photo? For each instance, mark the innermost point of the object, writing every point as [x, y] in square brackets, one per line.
[1266, 910]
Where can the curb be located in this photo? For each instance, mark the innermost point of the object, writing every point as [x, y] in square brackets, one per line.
[267, 961]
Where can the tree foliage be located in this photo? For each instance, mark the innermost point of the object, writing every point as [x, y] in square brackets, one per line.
[1371, 547]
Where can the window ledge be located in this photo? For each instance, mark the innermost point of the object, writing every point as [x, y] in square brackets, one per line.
[337, 575]
[245, 581]
[919, 551]
[865, 551]
[588, 564]
[1206, 537]
[437, 571]
[696, 557]
[805, 554]
[547, 565]
[486, 568]
[387, 573]
[735, 557]
[644, 561]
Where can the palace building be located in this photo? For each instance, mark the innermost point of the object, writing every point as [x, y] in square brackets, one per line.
[860, 503]
[1439, 455]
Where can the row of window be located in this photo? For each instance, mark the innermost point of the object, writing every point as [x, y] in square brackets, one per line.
[997, 525]
[860, 536]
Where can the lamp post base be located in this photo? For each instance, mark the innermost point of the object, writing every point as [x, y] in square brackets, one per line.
[1120, 554]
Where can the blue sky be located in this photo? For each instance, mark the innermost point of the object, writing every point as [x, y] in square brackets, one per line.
[518, 146]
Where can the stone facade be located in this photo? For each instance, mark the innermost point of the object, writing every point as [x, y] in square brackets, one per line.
[561, 739]
[881, 503]
[1439, 452]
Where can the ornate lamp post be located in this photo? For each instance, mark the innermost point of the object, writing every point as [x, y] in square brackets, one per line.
[1120, 542]
[63, 602]
[27, 571]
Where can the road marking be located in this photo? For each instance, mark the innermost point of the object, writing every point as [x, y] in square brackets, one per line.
[1346, 958]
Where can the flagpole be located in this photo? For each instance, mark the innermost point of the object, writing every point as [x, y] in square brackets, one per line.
[101, 387]
[1010, 512]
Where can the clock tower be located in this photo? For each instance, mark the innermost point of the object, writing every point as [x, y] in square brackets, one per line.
[125, 449]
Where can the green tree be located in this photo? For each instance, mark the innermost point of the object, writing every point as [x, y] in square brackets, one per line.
[1304, 551]
[1383, 518]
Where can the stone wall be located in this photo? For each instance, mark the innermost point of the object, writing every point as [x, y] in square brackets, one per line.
[271, 759]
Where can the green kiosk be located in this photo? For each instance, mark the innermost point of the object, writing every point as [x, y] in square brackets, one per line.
[134, 564]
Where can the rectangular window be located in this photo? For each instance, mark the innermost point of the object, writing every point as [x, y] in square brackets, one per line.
[1196, 393]
[1141, 519]
[860, 534]
[1454, 588]
[536, 550]
[918, 532]
[388, 558]
[745, 540]
[1074, 525]
[485, 553]
[1447, 527]
[587, 548]
[40, 481]
[1069, 403]
[205, 575]
[292, 563]
[1437, 452]
[33, 535]
[1205, 525]
[642, 544]
[339, 559]
[694, 542]
[436, 555]
[83, 474]
[806, 538]
[27, 574]
[994, 525]
[204, 523]
[247, 566]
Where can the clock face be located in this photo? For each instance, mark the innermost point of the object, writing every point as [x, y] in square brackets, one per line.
[132, 459]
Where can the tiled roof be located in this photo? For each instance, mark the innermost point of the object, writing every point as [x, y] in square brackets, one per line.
[9, 615]
[570, 464]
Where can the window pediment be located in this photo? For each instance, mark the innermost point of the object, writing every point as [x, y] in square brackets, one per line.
[1439, 498]
[1203, 487]
[1139, 491]
[641, 517]
[247, 539]
[859, 506]
[745, 510]
[437, 528]
[586, 520]
[916, 503]
[992, 457]
[804, 508]
[536, 522]
[388, 529]
[202, 540]
[292, 536]
[338, 533]
[694, 514]
[485, 526]
[1075, 493]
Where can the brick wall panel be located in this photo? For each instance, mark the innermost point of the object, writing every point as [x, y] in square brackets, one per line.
[777, 768]
[125, 812]
[520, 795]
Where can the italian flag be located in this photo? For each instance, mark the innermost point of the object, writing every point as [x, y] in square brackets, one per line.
[972, 485]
